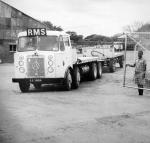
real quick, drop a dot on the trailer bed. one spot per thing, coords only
(82, 60)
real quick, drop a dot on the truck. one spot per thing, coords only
(47, 57)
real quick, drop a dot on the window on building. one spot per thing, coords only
(12, 48)
(8, 23)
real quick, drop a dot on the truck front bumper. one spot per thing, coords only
(40, 80)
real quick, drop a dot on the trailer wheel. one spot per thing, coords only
(112, 65)
(76, 78)
(93, 71)
(99, 70)
(24, 86)
(68, 80)
(121, 62)
(37, 85)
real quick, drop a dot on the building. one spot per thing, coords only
(130, 43)
(13, 21)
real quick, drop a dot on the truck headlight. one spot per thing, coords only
(21, 63)
(50, 63)
(22, 70)
(21, 58)
(50, 69)
(50, 57)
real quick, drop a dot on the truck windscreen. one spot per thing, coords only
(27, 44)
(48, 43)
(42, 43)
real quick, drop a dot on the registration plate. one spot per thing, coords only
(36, 80)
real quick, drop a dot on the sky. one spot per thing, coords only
(86, 17)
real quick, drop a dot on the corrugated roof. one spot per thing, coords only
(22, 12)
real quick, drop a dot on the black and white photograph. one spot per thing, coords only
(74, 71)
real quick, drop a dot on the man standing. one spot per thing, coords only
(140, 69)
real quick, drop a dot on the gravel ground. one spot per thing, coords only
(100, 111)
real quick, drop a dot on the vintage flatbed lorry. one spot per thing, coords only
(47, 57)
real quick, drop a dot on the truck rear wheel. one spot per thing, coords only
(68, 80)
(99, 70)
(76, 78)
(112, 65)
(24, 86)
(93, 71)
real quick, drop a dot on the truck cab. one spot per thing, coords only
(42, 56)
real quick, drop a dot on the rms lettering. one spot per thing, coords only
(36, 32)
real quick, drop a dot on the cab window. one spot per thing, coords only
(66, 41)
(61, 44)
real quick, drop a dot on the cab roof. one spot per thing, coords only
(49, 33)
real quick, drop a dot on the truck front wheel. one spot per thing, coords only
(24, 86)
(93, 71)
(68, 80)
(37, 85)
(76, 78)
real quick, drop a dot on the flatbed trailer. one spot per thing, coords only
(106, 54)
(111, 62)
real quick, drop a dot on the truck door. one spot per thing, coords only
(68, 52)
(60, 59)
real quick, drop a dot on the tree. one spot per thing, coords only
(98, 38)
(133, 27)
(144, 28)
(75, 37)
(51, 26)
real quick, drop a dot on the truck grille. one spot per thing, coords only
(35, 67)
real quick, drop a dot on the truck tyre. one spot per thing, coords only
(24, 86)
(68, 80)
(121, 62)
(37, 85)
(112, 65)
(76, 78)
(93, 71)
(99, 70)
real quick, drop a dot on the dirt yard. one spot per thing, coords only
(100, 111)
